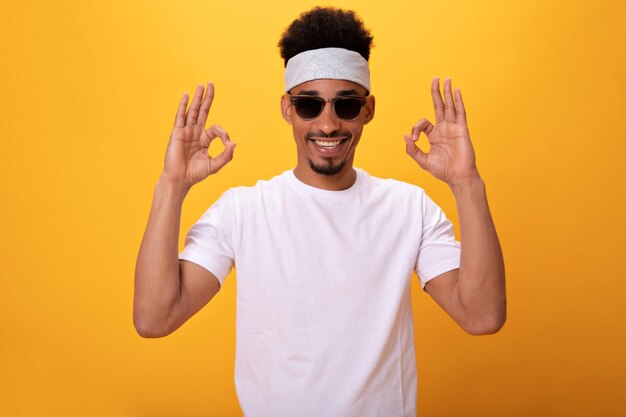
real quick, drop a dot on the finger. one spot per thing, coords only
(192, 114)
(216, 131)
(450, 110)
(206, 104)
(416, 153)
(460, 107)
(437, 100)
(222, 159)
(179, 121)
(424, 125)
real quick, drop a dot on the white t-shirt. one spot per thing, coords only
(324, 318)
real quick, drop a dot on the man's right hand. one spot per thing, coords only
(187, 160)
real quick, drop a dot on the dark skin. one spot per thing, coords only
(169, 291)
(473, 295)
(327, 127)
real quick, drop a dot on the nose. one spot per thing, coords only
(328, 121)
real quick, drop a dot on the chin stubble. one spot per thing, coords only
(328, 169)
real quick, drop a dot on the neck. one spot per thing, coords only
(341, 181)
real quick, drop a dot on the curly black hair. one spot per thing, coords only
(325, 27)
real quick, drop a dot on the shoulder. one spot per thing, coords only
(402, 195)
(392, 187)
(238, 202)
(260, 190)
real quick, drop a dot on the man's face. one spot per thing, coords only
(326, 144)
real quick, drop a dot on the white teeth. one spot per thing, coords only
(327, 144)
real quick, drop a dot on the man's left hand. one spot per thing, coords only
(451, 157)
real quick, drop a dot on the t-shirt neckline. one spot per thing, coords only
(301, 187)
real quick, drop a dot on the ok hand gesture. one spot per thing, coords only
(187, 159)
(451, 157)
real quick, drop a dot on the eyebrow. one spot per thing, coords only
(351, 92)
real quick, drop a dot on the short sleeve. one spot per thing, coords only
(208, 242)
(439, 252)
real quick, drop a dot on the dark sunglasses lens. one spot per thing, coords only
(308, 108)
(347, 108)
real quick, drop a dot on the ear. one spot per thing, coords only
(285, 108)
(370, 108)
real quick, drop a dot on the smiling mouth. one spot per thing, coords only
(328, 144)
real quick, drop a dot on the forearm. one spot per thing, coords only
(481, 283)
(157, 273)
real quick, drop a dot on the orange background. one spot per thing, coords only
(89, 91)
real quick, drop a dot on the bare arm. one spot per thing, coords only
(169, 291)
(473, 295)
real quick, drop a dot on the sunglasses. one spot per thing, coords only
(345, 107)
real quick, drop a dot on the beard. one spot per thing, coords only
(329, 168)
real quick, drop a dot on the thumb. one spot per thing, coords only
(222, 159)
(415, 152)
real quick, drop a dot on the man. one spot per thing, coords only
(325, 252)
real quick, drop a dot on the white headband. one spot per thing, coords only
(329, 63)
